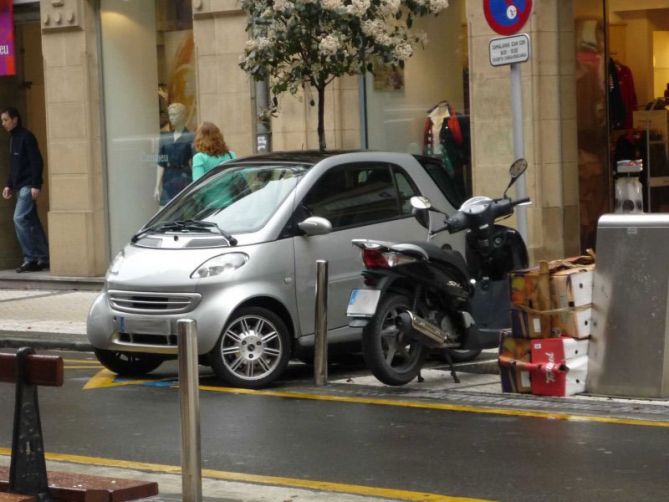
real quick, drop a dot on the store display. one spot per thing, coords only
(446, 136)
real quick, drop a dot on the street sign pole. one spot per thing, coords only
(507, 17)
(519, 144)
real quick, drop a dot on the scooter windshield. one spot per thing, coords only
(475, 205)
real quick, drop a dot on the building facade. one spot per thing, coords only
(96, 77)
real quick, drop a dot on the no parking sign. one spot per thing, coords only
(507, 17)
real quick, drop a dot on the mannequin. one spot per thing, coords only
(175, 152)
(437, 116)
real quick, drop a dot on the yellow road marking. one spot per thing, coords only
(106, 379)
(82, 361)
(442, 406)
(258, 479)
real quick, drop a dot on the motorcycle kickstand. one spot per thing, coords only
(449, 360)
(419, 377)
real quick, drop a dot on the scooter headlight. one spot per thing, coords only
(220, 264)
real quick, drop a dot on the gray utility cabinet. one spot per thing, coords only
(629, 351)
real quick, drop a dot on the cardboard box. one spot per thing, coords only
(553, 299)
(530, 296)
(514, 354)
(560, 366)
(571, 296)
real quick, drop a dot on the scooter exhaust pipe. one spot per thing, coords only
(423, 331)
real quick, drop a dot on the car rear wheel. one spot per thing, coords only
(253, 350)
(128, 363)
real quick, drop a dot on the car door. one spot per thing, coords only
(361, 200)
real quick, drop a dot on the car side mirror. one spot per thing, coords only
(315, 225)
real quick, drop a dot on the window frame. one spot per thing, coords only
(392, 169)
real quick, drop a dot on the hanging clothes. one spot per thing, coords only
(446, 136)
(627, 93)
(617, 112)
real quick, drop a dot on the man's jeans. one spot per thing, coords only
(29, 229)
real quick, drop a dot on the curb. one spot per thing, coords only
(44, 341)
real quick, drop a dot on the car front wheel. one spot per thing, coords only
(128, 363)
(253, 350)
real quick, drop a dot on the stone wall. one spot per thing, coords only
(77, 229)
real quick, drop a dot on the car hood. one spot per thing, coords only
(147, 269)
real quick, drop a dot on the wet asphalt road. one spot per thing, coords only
(488, 456)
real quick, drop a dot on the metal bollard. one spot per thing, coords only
(321, 331)
(189, 398)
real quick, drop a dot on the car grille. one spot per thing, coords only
(167, 341)
(153, 303)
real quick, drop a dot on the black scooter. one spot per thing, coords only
(420, 297)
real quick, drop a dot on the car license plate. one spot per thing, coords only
(143, 326)
(362, 302)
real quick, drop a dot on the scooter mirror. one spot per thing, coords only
(422, 217)
(517, 168)
(420, 202)
(515, 171)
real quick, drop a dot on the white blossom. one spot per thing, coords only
(390, 7)
(332, 5)
(283, 5)
(436, 6)
(403, 51)
(329, 45)
(358, 8)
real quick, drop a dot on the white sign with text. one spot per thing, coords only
(510, 50)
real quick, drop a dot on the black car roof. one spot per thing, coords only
(301, 156)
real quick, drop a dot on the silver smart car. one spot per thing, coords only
(236, 251)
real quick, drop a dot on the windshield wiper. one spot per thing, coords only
(185, 225)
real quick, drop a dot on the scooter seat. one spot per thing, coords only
(446, 256)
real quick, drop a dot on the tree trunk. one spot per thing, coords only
(321, 115)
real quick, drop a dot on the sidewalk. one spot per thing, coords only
(45, 311)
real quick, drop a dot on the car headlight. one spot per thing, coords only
(219, 264)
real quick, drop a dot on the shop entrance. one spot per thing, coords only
(25, 91)
(622, 92)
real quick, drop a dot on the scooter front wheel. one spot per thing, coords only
(393, 357)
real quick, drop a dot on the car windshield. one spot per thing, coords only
(239, 199)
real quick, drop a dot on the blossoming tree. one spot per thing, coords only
(298, 43)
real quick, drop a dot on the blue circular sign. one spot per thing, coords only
(507, 17)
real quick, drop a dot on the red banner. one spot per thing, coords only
(7, 53)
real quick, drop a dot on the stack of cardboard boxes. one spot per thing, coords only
(545, 352)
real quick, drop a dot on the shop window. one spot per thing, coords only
(149, 107)
(423, 108)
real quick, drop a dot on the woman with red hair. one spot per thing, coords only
(211, 149)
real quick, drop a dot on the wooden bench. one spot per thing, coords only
(28, 370)
(10, 497)
(86, 488)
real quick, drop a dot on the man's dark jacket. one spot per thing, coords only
(25, 160)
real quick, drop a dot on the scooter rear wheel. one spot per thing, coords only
(393, 358)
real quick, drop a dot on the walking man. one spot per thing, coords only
(25, 180)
